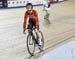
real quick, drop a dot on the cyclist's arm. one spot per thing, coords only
(36, 18)
(25, 20)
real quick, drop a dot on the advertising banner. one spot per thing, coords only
(61, 0)
(16, 3)
(3, 3)
(19, 3)
(36, 2)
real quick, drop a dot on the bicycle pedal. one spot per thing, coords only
(32, 54)
(39, 47)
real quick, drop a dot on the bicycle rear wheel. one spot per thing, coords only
(30, 44)
(42, 40)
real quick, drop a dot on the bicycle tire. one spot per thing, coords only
(42, 40)
(31, 53)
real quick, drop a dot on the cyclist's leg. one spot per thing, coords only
(37, 31)
(30, 26)
(46, 17)
(38, 36)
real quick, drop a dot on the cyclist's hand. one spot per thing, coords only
(24, 31)
(36, 30)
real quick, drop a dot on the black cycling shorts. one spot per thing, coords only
(32, 24)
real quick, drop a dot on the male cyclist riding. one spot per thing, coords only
(32, 21)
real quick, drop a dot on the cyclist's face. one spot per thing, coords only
(48, 0)
(29, 7)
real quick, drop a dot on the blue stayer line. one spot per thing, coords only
(66, 51)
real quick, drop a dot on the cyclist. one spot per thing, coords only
(46, 8)
(32, 21)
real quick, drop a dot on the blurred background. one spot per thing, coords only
(59, 36)
(20, 3)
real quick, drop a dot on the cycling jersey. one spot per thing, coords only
(46, 4)
(31, 15)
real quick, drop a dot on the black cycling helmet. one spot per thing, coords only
(29, 4)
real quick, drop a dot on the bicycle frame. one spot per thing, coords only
(31, 33)
(34, 40)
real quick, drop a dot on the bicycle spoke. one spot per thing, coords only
(30, 44)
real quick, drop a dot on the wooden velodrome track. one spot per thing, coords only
(13, 41)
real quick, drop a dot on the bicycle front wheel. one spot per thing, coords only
(30, 44)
